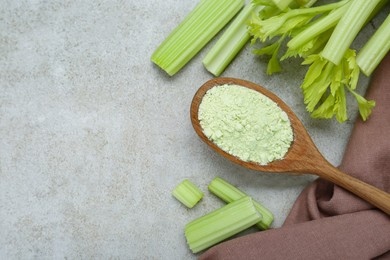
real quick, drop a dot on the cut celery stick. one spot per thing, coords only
(194, 32)
(231, 42)
(348, 27)
(187, 193)
(221, 224)
(229, 193)
(375, 49)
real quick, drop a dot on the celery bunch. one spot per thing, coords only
(322, 36)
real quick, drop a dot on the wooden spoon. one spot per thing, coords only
(302, 157)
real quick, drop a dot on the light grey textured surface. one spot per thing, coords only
(94, 137)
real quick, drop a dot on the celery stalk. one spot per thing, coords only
(231, 42)
(320, 26)
(347, 29)
(221, 224)
(229, 193)
(194, 32)
(375, 49)
(187, 193)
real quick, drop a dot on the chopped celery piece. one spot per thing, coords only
(194, 32)
(231, 42)
(348, 27)
(221, 224)
(187, 193)
(375, 49)
(229, 193)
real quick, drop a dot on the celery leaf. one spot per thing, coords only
(365, 106)
(324, 87)
(273, 51)
(325, 110)
(340, 106)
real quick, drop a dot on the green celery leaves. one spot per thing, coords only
(309, 32)
(324, 87)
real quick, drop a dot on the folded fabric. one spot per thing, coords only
(326, 221)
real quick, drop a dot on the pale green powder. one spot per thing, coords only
(245, 123)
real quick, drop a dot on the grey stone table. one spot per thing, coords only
(94, 137)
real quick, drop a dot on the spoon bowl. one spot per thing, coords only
(303, 157)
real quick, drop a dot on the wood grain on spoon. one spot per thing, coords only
(302, 157)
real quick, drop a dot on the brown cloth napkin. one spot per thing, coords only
(326, 221)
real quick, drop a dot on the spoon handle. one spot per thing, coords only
(369, 193)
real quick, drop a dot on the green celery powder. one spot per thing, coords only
(245, 123)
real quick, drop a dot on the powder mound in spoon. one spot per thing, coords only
(245, 123)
